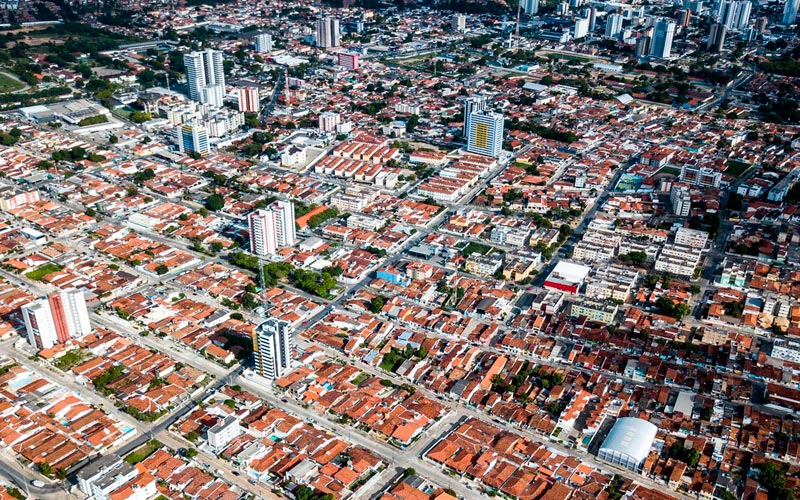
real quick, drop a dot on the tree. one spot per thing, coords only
(162, 269)
(191, 453)
(192, 436)
(214, 202)
(773, 478)
(113, 139)
(45, 469)
(376, 304)
(410, 471)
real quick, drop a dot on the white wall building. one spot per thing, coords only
(273, 348)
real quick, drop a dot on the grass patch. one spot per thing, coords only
(670, 170)
(8, 84)
(476, 248)
(360, 378)
(736, 168)
(70, 360)
(40, 272)
(145, 451)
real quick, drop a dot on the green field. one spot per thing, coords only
(145, 451)
(670, 170)
(736, 168)
(8, 84)
(42, 271)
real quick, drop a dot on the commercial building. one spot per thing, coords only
(567, 276)
(273, 348)
(221, 434)
(628, 443)
(614, 25)
(328, 32)
(249, 100)
(348, 60)
(263, 43)
(57, 318)
(663, 32)
(192, 138)
(205, 76)
(485, 134)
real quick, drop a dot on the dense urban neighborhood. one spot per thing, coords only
(399, 250)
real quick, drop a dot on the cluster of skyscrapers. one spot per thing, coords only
(56, 318)
(272, 228)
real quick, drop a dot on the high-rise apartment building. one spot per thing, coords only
(328, 32)
(348, 60)
(614, 25)
(192, 138)
(531, 7)
(57, 318)
(790, 11)
(249, 100)
(272, 348)
(328, 121)
(472, 104)
(272, 228)
(205, 76)
(263, 43)
(716, 37)
(663, 32)
(734, 14)
(459, 23)
(485, 135)
(581, 28)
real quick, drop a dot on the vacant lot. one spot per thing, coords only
(8, 84)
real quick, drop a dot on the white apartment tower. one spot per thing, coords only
(272, 228)
(205, 75)
(262, 232)
(790, 11)
(661, 45)
(328, 32)
(485, 135)
(273, 347)
(531, 7)
(614, 25)
(57, 318)
(459, 23)
(263, 43)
